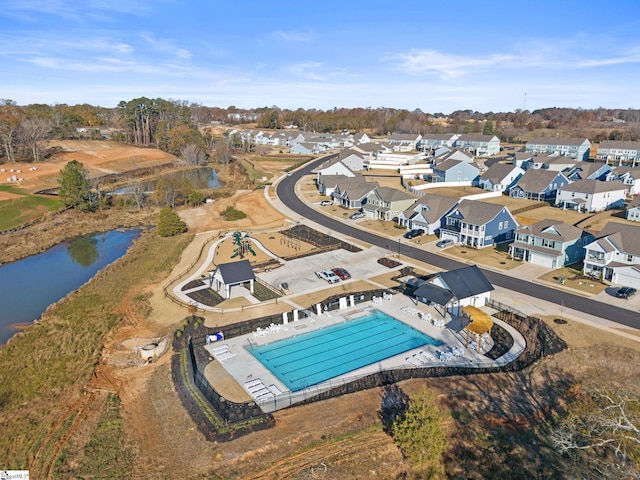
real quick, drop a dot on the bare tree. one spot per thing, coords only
(604, 432)
(138, 192)
(34, 130)
(192, 154)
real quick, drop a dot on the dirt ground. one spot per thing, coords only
(99, 158)
(339, 438)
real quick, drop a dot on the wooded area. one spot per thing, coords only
(186, 129)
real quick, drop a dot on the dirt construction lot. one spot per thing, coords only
(98, 157)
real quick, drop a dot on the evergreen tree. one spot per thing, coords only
(419, 433)
(170, 224)
(74, 186)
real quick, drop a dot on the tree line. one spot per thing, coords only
(185, 129)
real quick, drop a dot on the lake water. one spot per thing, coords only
(29, 286)
(200, 178)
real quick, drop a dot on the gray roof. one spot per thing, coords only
(624, 145)
(475, 137)
(447, 164)
(498, 172)
(434, 293)
(479, 213)
(547, 228)
(433, 207)
(625, 237)
(390, 194)
(236, 272)
(594, 186)
(466, 282)
(536, 180)
(406, 137)
(556, 141)
(634, 203)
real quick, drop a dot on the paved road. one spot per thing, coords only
(286, 193)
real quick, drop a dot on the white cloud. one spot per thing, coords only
(293, 36)
(166, 46)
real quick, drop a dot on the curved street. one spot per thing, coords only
(285, 191)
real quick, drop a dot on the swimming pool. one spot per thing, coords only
(314, 357)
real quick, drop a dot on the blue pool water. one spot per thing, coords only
(314, 357)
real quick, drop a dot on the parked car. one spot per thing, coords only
(328, 276)
(416, 232)
(626, 292)
(342, 273)
(444, 243)
(356, 215)
(324, 203)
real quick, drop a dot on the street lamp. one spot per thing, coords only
(398, 249)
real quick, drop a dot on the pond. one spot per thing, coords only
(29, 286)
(200, 178)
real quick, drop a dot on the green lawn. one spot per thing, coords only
(16, 211)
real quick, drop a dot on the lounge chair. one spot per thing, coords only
(426, 357)
(275, 390)
(256, 392)
(413, 361)
(264, 397)
(224, 356)
(253, 383)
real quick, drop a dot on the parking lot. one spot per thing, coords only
(300, 274)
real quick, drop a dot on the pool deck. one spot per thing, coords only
(240, 365)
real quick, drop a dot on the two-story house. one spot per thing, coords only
(403, 142)
(578, 148)
(386, 203)
(589, 171)
(591, 195)
(633, 210)
(500, 177)
(432, 141)
(352, 192)
(479, 145)
(454, 171)
(619, 152)
(479, 224)
(630, 176)
(550, 243)
(614, 255)
(428, 213)
(539, 185)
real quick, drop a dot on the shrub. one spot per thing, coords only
(230, 214)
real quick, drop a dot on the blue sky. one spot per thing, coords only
(434, 55)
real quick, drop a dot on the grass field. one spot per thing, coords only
(22, 207)
(44, 370)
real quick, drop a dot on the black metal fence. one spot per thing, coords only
(540, 339)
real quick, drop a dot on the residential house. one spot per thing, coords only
(466, 286)
(500, 177)
(550, 243)
(591, 195)
(524, 160)
(614, 255)
(633, 210)
(352, 159)
(480, 145)
(386, 203)
(360, 138)
(479, 224)
(589, 171)
(332, 168)
(403, 142)
(578, 148)
(327, 183)
(619, 152)
(539, 185)
(454, 171)
(428, 213)
(554, 163)
(630, 176)
(305, 148)
(352, 192)
(433, 141)
(445, 153)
